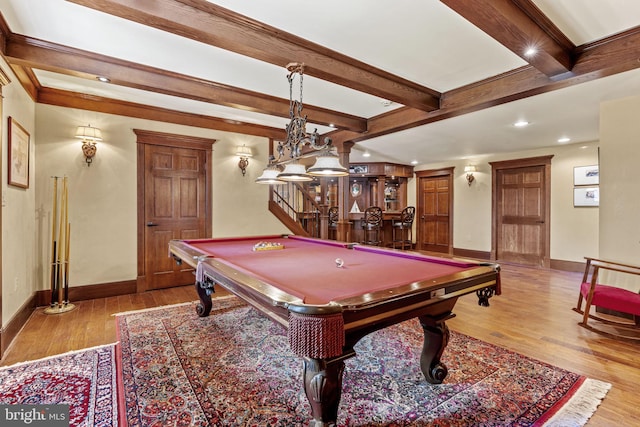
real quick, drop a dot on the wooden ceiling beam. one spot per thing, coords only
(519, 25)
(602, 58)
(69, 99)
(27, 79)
(209, 23)
(605, 57)
(39, 54)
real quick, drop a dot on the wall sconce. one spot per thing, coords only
(244, 153)
(470, 169)
(89, 137)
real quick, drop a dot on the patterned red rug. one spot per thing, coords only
(234, 368)
(85, 380)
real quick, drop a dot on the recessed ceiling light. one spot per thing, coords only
(563, 140)
(521, 123)
(414, 162)
(531, 51)
(385, 102)
(366, 154)
(103, 79)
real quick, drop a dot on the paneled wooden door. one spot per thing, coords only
(435, 197)
(522, 214)
(175, 206)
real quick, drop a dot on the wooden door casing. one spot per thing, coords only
(435, 210)
(521, 211)
(174, 202)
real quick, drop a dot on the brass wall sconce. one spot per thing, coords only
(470, 169)
(89, 136)
(244, 153)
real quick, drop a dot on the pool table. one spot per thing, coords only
(330, 294)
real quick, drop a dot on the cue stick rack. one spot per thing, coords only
(60, 233)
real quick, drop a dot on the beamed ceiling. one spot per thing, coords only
(421, 80)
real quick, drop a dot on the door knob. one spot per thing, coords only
(151, 224)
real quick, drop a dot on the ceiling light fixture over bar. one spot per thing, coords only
(327, 163)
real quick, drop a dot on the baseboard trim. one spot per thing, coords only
(81, 293)
(470, 253)
(573, 266)
(555, 264)
(10, 331)
(43, 299)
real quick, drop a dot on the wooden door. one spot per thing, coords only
(435, 195)
(175, 205)
(522, 232)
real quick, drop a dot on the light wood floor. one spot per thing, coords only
(533, 317)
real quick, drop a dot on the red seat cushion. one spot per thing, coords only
(613, 298)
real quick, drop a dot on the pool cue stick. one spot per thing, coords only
(54, 246)
(61, 250)
(66, 267)
(67, 241)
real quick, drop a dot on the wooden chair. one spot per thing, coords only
(609, 297)
(402, 229)
(372, 226)
(333, 223)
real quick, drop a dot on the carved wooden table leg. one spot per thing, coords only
(323, 387)
(436, 337)
(204, 306)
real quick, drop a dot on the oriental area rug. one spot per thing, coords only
(234, 368)
(85, 380)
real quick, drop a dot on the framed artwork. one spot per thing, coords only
(586, 175)
(586, 196)
(18, 155)
(359, 169)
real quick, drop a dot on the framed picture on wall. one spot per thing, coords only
(359, 169)
(586, 196)
(18, 155)
(586, 175)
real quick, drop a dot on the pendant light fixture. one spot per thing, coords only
(327, 163)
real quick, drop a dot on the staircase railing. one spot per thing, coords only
(294, 202)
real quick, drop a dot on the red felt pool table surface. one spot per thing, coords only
(306, 268)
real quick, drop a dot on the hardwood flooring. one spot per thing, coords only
(533, 317)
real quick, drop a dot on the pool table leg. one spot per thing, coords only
(436, 337)
(323, 387)
(204, 292)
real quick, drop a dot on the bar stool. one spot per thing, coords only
(333, 223)
(402, 229)
(372, 226)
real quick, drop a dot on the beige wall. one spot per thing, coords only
(573, 233)
(619, 195)
(102, 197)
(18, 206)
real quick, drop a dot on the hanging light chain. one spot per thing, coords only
(297, 135)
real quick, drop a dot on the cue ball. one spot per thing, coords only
(339, 262)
